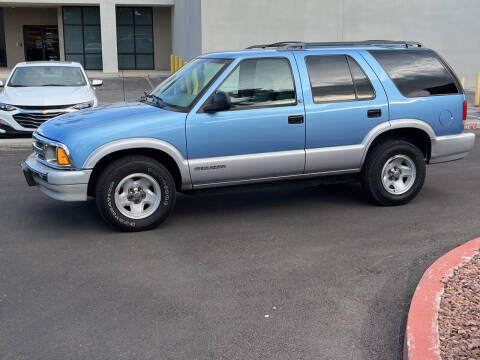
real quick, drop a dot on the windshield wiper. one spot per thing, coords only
(18, 86)
(158, 99)
(54, 85)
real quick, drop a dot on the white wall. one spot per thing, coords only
(450, 27)
(233, 24)
(187, 28)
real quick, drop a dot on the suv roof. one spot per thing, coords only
(299, 45)
(263, 49)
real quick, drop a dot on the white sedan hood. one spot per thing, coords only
(46, 95)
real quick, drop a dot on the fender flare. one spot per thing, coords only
(392, 125)
(134, 143)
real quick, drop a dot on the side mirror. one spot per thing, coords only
(220, 102)
(1, 83)
(96, 82)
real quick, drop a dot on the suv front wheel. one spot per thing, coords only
(394, 172)
(135, 193)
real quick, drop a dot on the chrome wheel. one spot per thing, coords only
(398, 174)
(138, 196)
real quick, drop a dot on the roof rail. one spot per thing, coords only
(298, 45)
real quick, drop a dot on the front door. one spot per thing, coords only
(261, 136)
(41, 42)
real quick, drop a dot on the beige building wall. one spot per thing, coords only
(15, 18)
(162, 37)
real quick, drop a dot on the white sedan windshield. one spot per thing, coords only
(26, 76)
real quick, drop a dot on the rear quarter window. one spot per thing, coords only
(417, 73)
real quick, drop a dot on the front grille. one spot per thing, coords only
(42, 107)
(34, 120)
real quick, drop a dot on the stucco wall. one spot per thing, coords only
(449, 27)
(187, 28)
(15, 18)
(162, 34)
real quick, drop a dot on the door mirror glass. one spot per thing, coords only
(96, 82)
(220, 102)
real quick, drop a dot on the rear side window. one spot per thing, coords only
(336, 78)
(417, 72)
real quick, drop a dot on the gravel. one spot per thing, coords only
(458, 320)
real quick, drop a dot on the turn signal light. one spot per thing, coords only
(62, 158)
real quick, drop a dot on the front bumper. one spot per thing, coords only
(451, 147)
(63, 185)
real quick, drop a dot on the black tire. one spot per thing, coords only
(377, 158)
(119, 169)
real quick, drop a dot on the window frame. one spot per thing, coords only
(83, 25)
(448, 69)
(135, 53)
(347, 59)
(208, 100)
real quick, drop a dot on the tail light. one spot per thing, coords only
(464, 110)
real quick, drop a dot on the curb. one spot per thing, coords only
(472, 125)
(421, 334)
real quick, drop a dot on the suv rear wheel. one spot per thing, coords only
(135, 193)
(394, 172)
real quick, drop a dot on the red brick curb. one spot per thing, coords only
(472, 125)
(421, 335)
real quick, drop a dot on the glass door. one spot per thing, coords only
(41, 42)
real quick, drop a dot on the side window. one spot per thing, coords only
(336, 78)
(363, 86)
(260, 82)
(417, 72)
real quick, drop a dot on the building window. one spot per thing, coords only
(3, 53)
(81, 30)
(135, 38)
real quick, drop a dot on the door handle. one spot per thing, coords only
(295, 119)
(374, 113)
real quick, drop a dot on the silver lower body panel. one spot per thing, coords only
(451, 147)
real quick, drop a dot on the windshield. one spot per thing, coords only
(182, 88)
(47, 76)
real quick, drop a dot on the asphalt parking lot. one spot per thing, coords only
(283, 272)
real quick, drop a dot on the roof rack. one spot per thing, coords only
(299, 45)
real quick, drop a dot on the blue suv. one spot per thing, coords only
(375, 110)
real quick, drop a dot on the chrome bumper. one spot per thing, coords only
(451, 147)
(64, 185)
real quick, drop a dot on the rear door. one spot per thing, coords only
(344, 100)
(262, 135)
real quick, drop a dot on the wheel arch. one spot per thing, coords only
(417, 132)
(162, 151)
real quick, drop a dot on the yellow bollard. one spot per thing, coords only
(477, 91)
(181, 63)
(176, 63)
(462, 81)
(172, 64)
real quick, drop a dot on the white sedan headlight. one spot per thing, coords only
(7, 107)
(84, 105)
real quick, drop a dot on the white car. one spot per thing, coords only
(39, 91)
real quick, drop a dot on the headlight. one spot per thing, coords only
(7, 107)
(51, 152)
(83, 105)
